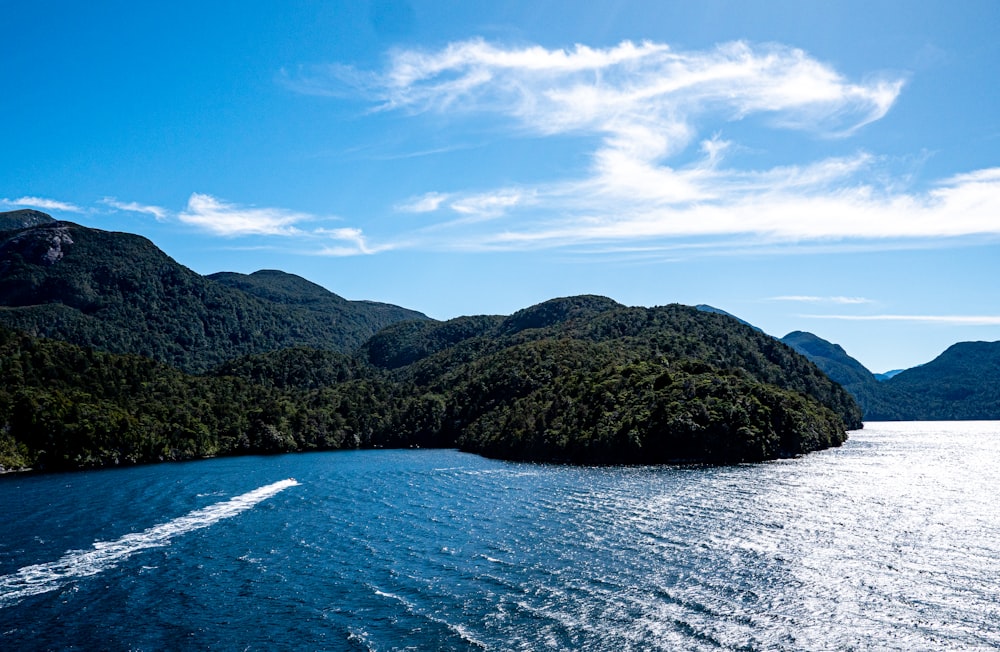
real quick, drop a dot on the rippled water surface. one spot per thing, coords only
(890, 542)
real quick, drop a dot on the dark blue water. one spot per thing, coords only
(890, 542)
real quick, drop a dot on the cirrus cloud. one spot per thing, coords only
(223, 218)
(42, 202)
(814, 299)
(950, 320)
(641, 107)
(135, 207)
(349, 241)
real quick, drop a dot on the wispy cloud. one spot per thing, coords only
(134, 207)
(349, 242)
(798, 298)
(42, 202)
(486, 205)
(643, 104)
(222, 218)
(629, 91)
(470, 207)
(951, 320)
(427, 203)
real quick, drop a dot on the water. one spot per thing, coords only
(890, 542)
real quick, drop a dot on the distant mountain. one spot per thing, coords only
(280, 287)
(704, 307)
(838, 365)
(117, 292)
(888, 374)
(961, 383)
(354, 320)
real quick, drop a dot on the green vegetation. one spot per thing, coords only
(961, 383)
(840, 367)
(121, 356)
(117, 292)
(66, 407)
(580, 380)
(22, 219)
(586, 380)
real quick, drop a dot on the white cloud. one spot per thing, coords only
(134, 207)
(43, 203)
(487, 205)
(619, 88)
(226, 219)
(351, 242)
(951, 320)
(643, 104)
(427, 203)
(643, 98)
(813, 299)
(641, 109)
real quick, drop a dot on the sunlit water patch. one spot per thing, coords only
(889, 542)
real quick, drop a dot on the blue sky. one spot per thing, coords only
(829, 167)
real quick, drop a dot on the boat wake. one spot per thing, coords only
(75, 564)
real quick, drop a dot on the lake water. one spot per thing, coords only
(889, 542)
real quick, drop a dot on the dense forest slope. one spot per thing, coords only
(584, 379)
(581, 379)
(117, 354)
(117, 292)
(961, 383)
(66, 407)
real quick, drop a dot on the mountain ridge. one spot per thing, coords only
(961, 383)
(118, 292)
(579, 380)
(122, 355)
(582, 379)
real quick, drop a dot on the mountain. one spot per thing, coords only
(587, 380)
(961, 383)
(839, 366)
(117, 292)
(65, 407)
(578, 380)
(888, 374)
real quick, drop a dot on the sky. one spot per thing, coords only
(804, 165)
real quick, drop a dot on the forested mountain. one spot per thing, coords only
(66, 407)
(121, 355)
(704, 307)
(839, 366)
(581, 379)
(585, 379)
(111, 332)
(117, 292)
(961, 383)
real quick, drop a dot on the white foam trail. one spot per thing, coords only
(41, 578)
